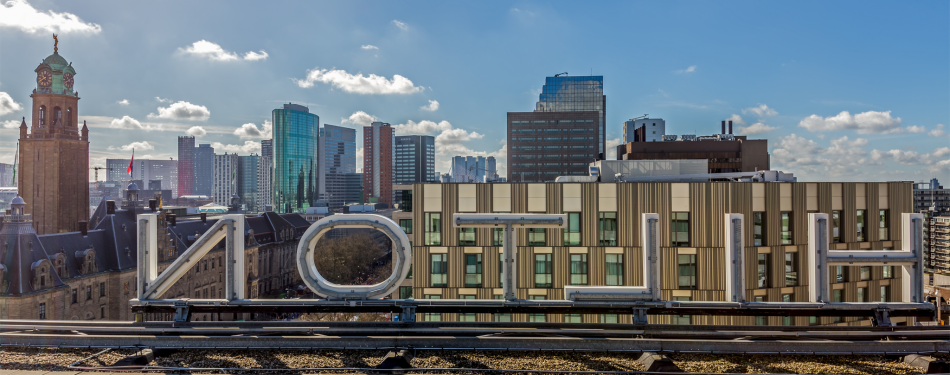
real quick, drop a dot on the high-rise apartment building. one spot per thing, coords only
(247, 183)
(296, 152)
(265, 175)
(186, 166)
(378, 161)
(54, 157)
(577, 94)
(545, 145)
(145, 170)
(204, 170)
(6, 175)
(226, 168)
(415, 159)
(932, 195)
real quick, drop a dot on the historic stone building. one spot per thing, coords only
(54, 155)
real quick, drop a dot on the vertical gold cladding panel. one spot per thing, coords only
(773, 215)
(554, 237)
(824, 199)
(741, 195)
(421, 269)
(589, 215)
(708, 261)
(668, 274)
(751, 256)
(700, 222)
(450, 234)
(873, 216)
(483, 236)
(561, 267)
(628, 215)
(633, 274)
(456, 270)
(799, 213)
(519, 204)
(848, 213)
(654, 197)
(900, 200)
(596, 263)
(526, 256)
(777, 267)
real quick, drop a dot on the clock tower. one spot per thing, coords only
(54, 154)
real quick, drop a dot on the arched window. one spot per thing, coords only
(57, 115)
(42, 115)
(69, 116)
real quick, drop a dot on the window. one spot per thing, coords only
(578, 269)
(572, 234)
(501, 270)
(841, 274)
(614, 269)
(439, 270)
(42, 311)
(763, 270)
(406, 225)
(761, 320)
(680, 228)
(433, 229)
(536, 237)
(687, 271)
(542, 270)
(573, 318)
(885, 293)
(88, 292)
(862, 228)
(862, 294)
(607, 225)
(758, 229)
(787, 320)
(501, 317)
(682, 319)
(102, 289)
(786, 228)
(432, 317)
(791, 269)
(888, 272)
(537, 318)
(835, 225)
(837, 295)
(75, 296)
(466, 236)
(498, 236)
(882, 229)
(102, 312)
(865, 273)
(609, 318)
(467, 317)
(473, 270)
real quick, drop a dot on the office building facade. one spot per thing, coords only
(726, 152)
(186, 166)
(296, 153)
(343, 189)
(415, 159)
(545, 145)
(247, 184)
(339, 149)
(145, 170)
(644, 130)
(577, 94)
(204, 170)
(378, 161)
(6, 175)
(225, 178)
(265, 175)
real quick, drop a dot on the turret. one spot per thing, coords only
(23, 129)
(85, 132)
(131, 194)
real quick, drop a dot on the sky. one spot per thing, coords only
(843, 91)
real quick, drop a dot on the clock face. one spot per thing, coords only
(68, 80)
(45, 78)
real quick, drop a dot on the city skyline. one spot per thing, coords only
(833, 106)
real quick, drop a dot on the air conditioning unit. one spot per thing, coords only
(669, 138)
(688, 137)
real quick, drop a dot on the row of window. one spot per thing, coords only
(552, 122)
(75, 292)
(606, 224)
(543, 270)
(555, 139)
(572, 130)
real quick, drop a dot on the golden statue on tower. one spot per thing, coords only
(55, 43)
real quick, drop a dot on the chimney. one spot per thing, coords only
(110, 207)
(730, 126)
(723, 127)
(171, 219)
(204, 217)
(83, 227)
(153, 205)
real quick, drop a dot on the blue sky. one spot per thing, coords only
(149, 72)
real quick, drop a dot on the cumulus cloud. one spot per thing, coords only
(123, 102)
(19, 14)
(357, 83)
(247, 148)
(250, 131)
(160, 100)
(736, 119)
(612, 148)
(916, 129)
(144, 145)
(182, 111)
(369, 47)
(455, 136)
(757, 128)
(935, 161)
(360, 118)
(401, 25)
(127, 122)
(870, 122)
(761, 110)
(196, 131)
(359, 160)
(214, 52)
(691, 69)
(432, 107)
(938, 132)
(422, 127)
(7, 105)
(11, 124)
(844, 157)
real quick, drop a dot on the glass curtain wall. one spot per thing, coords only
(296, 137)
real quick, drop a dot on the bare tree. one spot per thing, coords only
(352, 260)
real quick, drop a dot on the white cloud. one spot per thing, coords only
(422, 127)
(761, 110)
(21, 15)
(247, 148)
(182, 111)
(123, 102)
(7, 105)
(916, 129)
(938, 132)
(250, 131)
(11, 124)
(736, 119)
(196, 131)
(455, 137)
(612, 148)
(360, 118)
(432, 107)
(757, 128)
(127, 122)
(401, 25)
(870, 122)
(160, 100)
(807, 159)
(359, 160)
(369, 47)
(144, 145)
(213, 51)
(357, 83)
(691, 69)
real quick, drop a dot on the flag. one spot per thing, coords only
(129, 170)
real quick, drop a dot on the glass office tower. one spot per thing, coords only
(247, 181)
(571, 94)
(296, 139)
(204, 170)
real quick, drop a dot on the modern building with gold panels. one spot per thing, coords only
(602, 246)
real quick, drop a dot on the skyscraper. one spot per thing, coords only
(341, 183)
(573, 94)
(545, 145)
(204, 170)
(54, 158)
(265, 175)
(415, 159)
(186, 166)
(296, 139)
(378, 161)
(473, 169)
(225, 178)
(247, 184)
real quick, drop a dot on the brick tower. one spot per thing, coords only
(54, 156)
